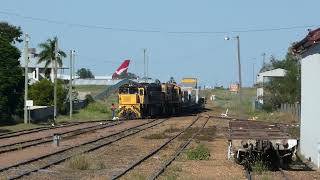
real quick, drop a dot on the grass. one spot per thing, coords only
(98, 110)
(137, 176)
(156, 136)
(172, 130)
(206, 134)
(228, 100)
(259, 167)
(18, 127)
(92, 89)
(79, 162)
(172, 173)
(94, 111)
(85, 162)
(199, 153)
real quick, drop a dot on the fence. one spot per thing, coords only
(294, 109)
(44, 113)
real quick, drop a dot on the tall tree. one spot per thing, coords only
(285, 89)
(84, 73)
(47, 53)
(11, 78)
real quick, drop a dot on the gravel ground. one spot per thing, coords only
(217, 167)
(116, 156)
(147, 168)
(44, 133)
(10, 158)
(110, 160)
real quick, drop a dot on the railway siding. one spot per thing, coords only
(25, 168)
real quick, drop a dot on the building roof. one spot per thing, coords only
(311, 39)
(272, 73)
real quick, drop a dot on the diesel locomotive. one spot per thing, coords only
(142, 100)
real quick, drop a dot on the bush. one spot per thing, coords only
(85, 162)
(199, 153)
(89, 98)
(79, 162)
(259, 167)
(42, 94)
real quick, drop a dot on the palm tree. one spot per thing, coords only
(47, 54)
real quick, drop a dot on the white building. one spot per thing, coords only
(309, 49)
(265, 77)
(36, 71)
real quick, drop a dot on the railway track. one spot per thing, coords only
(68, 134)
(156, 150)
(22, 169)
(39, 129)
(248, 174)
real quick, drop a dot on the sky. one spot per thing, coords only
(105, 37)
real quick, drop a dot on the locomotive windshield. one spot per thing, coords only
(128, 90)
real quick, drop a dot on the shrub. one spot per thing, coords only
(42, 94)
(199, 153)
(79, 162)
(259, 167)
(89, 98)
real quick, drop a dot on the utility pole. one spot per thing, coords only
(55, 82)
(70, 83)
(144, 64)
(239, 67)
(73, 65)
(263, 59)
(253, 74)
(26, 61)
(147, 66)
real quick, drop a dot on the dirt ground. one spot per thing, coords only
(108, 161)
(9, 158)
(119, 155)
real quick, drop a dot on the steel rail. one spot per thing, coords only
(39, 129)
(154, 151)
(33, 142)
(177, 153)
(130, 131)
(248, 174)
(283, 174)
(33, 130)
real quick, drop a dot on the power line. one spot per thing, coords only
(154, 31)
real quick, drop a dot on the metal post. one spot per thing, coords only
(70, 83)
(239, 67)
(26, 60)
(147, 66)
(144, 64)
(55, 82)
(263, 59)
(253, 75)
(73, 65)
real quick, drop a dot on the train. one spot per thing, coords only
(138, 100)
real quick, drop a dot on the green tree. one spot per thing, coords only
(283, 89)
(84, 73)
(128, 75)
(11, 75)
(41, 93)
(47, 53)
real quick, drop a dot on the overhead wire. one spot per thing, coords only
(153, 31)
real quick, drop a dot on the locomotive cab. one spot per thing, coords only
(130, 100)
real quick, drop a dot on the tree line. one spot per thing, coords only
(282, 89)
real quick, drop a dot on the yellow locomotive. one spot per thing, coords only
(141, 100)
